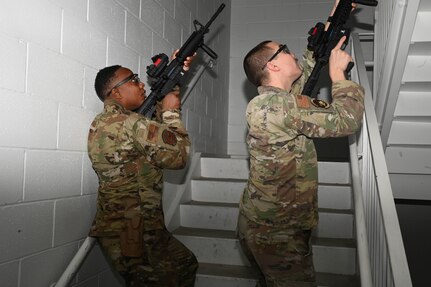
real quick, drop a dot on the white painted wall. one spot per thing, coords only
(50, 52)
(285, 21)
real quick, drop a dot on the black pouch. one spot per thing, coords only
(131, 238)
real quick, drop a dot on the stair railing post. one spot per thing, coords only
(361, 230)
(76, 263)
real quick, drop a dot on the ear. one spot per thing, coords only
(272, 67)
(116, 94)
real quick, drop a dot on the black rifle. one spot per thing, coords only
(164, 77)
(322, 42)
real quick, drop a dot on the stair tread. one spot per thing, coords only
(202, 178)
(202, 232)
(244, 157)
(237, 271)
(231, 234)
(211, 203)
(244, 180)
(247, 272)
(236, 205)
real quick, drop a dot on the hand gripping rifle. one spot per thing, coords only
(164, 76)
(322, 42)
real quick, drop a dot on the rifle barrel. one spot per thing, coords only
(220, 8)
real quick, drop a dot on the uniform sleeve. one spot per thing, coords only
(307, 65)
(166, 144)
(316, 118)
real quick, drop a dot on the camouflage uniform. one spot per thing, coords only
(278, 208)
(128, 153)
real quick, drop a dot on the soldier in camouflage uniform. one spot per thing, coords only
(129, 153)
(278, 209)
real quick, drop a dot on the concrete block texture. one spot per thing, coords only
(12, 178)
(109, 17)
(41, 268)
(81, 39)
(29, 122)
(54, 77)
(52, 175)
(67, 213)
(13, 67)
(34, 21)
(9, 274)
(27, 229)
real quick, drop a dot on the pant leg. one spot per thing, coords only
(241, 233)
(169, 262)
(166, 262)
(283, 256)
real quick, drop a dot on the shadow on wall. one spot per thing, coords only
(249, 90)
(353, 22)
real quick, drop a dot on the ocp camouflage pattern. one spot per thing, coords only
(282, 186)
(128, 153)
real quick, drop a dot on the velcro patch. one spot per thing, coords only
(153, 132)
(303, 102)
(169, 138)
(320, 103)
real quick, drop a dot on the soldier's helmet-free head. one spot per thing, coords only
(255, 60)
(258, 61)
(103, 81)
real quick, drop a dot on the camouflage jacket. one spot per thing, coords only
(128, 153)
(282, 185)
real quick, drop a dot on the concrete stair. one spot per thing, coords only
(208, 225)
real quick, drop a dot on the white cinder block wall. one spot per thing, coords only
(50, 52)
(284, 21)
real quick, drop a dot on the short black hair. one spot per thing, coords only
(103, 79)
(255, 60)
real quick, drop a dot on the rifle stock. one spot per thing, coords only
(165, 76)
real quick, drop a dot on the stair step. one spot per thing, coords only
(335, 196)
(224, 167)
(333, 223)
(217, 189)
(212, 246)
(337, 256)
(237, 168)
(216, 275)
(230, 190)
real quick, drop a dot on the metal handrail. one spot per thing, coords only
(383, 226)
(76, 262)
(360, 218)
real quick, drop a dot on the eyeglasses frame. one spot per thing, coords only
(281, 48)
(133, 77)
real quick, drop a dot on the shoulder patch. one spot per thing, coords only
(303, 102)
(169, 138)
(153, 131)
(319, 103)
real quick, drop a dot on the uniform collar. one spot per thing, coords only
(111, 105)
(270, 89)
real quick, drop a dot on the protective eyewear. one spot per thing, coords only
(134, 78)
(281, 48)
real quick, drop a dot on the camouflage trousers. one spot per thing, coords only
(282, 256)
(166, 262)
